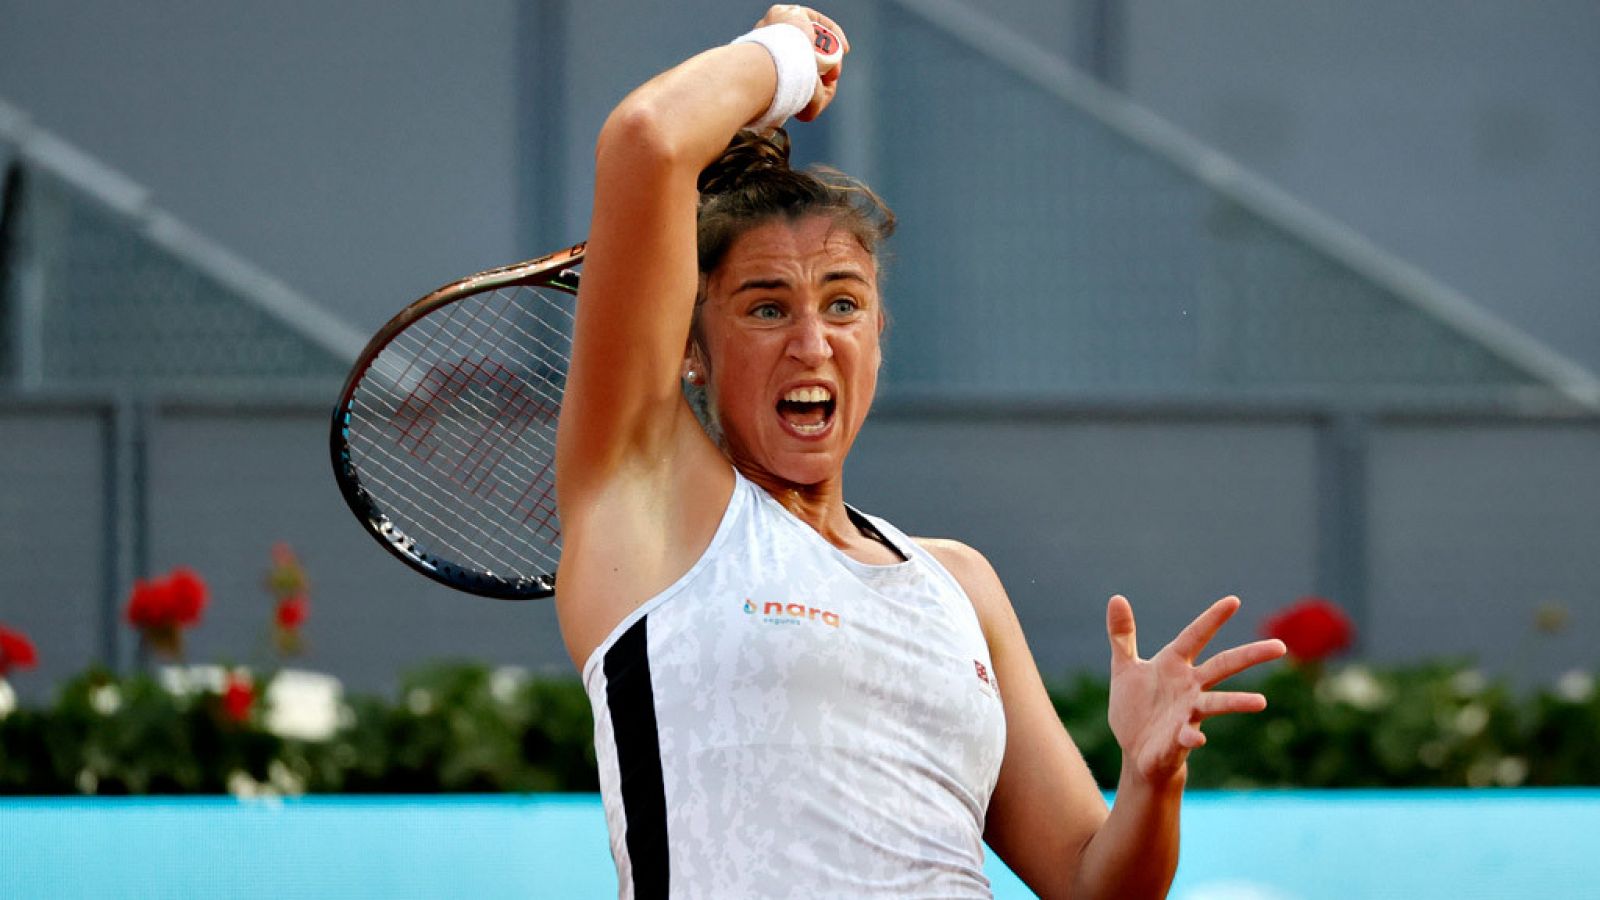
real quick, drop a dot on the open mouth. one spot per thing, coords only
(808, 411)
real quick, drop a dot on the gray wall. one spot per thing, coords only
(52, 514)
(222, 485)
(1460, 135)
(1072, 509)
(1172, 509)
(226, 486)
(1473, 529)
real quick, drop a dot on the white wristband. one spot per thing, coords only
(796, 61)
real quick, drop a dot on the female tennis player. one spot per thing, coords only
(792, 698)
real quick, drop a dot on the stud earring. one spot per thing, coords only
(691, 376)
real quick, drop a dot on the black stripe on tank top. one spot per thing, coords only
(631, 703)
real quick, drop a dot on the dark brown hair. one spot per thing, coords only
(752, 183)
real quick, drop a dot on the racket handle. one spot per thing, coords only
(828, 46)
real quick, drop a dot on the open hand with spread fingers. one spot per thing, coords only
(1158, 704)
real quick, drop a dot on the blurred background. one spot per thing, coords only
(1294, 300)
(1276, 299)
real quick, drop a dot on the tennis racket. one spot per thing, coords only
(444, 438)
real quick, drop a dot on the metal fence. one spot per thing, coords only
(1058, 240)
(103, 291)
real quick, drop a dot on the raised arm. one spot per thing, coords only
(640, 488)
(640, 273)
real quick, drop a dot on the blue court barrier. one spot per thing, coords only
(1268, 845)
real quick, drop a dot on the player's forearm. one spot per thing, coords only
(685, 116)
(1135, 852)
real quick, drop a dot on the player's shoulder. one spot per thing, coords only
(969, 566)
(955, 555)
(971, 569)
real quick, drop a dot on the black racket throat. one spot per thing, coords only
(443, 440)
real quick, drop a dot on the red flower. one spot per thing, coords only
(292, 612)
(162, 607)
(175, 601)
(147, 605)
(188, 594)
(237, 698)
(1312, 628)
(16, 651)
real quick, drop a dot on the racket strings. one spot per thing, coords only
(423, 409)
(548, 397)
(418, 499)
(420, 345)
(417, 511)
(463, 551)
(455, 422)
(412, 414)
(493, 336)
(462, 380)
(419, 479)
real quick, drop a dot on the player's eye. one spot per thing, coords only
(767, 311)
(843, 306)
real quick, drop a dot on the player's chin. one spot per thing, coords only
(804, 475)
(806, 464)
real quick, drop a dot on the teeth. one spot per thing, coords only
(812, 394)
(809, 429)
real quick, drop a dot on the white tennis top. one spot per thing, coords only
(784, 721)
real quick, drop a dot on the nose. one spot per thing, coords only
(808, 342)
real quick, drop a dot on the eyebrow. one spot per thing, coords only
(760, 284)
(768, 284)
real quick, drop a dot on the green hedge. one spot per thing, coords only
(466, 727)
(454, 727)
(1429, 725)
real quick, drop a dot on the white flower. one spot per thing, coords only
(8, 699)
(241, 785)
(506, 681)
(287, 782)
(183, 681)
(1510, 771)
(304, 705)
(1471, 719)
(419, 701)
(174, 680)
(1468, 683)
(1354, 685)
(1576, 686)
(105, 699)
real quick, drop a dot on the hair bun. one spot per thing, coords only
(749, 156)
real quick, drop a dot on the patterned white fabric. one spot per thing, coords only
(826, 728)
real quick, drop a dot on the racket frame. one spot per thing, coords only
(554, 270)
